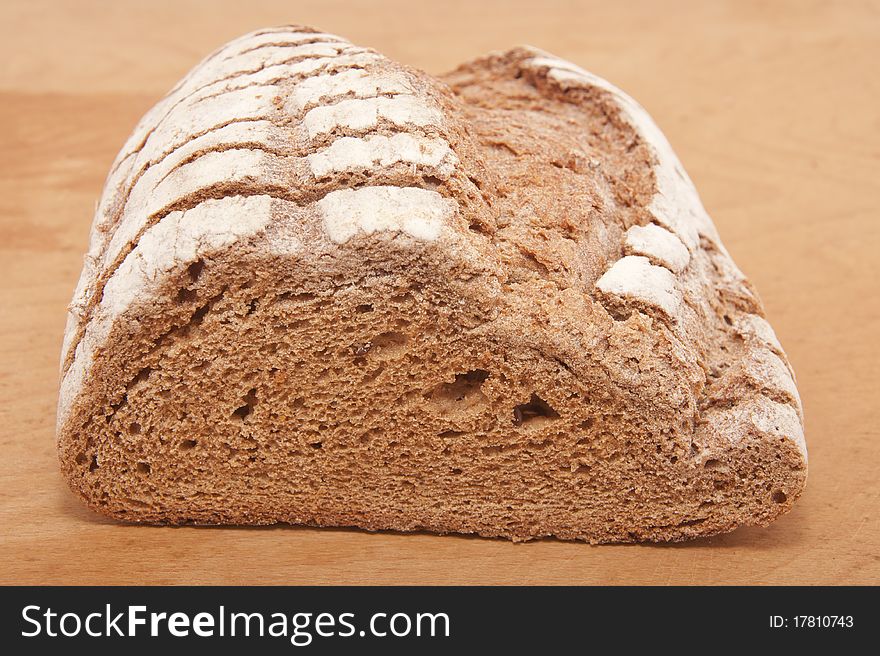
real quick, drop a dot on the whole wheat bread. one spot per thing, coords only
(324, 288)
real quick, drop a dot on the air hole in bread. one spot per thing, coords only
(194, 270)
(299, 298)
(711, 463)
(93, 465)
(693, 522)
(199, 315)
(250, 400)
(779, 497)
(187, 445)
(402, 299)
(363, 308)
(143, 468)
(619, 313)
(536, 408)
(463, 392)
(119, 404)
(186, 295)
(141, 376)
(134, 428)
(373, 375)
(389, 344)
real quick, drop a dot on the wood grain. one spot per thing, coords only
(774, 109)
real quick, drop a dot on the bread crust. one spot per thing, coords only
(497, 296)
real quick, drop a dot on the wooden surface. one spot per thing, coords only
(773, 108)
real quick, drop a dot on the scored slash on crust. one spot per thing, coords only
(350, 153)
(417, 212)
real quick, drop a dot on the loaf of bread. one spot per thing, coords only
(324, 288)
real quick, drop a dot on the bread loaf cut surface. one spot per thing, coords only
(324, 288)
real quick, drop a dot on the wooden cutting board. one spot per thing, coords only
(774, 109)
